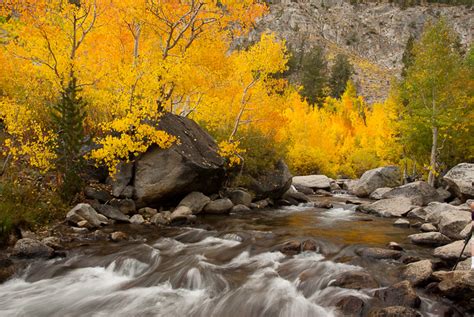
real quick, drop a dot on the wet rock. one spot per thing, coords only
(232, 237)
(402, 223)
(428, 227)
(416, 224)
(80, 230)
(335, 186)
(304, 189)
(461, 179)
(161, 218)
(219, 206)
(355, 280)
(126, 206)
(418, 272)
(84, 224)
(452, 251)
(7, 268)
(193, 164)
(181, 211)
(121, 179)
(313, 181)
(240, 197)
(297, 196)
(379, 192)
(429, 238)
(101, 195)
(388, 176)
(458, 286)
(100, 235)
(103, 219)
(379, 253)
(272, 183)
(400, 294)
(420, 193)
(291, 247)
(407, 259)
(83, 212)
(451, 220)
(195, 201)
(147, 212)
(137, 219)
(52, 242)
(351, 306)
(322, 192)
(417, 213)
(395, 246)
(323, 204)
(30, 248)
(287, 202)
(394, 311)
(118, 236)
(240, 209)
(309, 245)
(112, 213)
(260, 204)
(393, 207)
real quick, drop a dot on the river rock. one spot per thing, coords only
(52, 242)
(379, 253)
(291, 247)
(418, 272)
(195, 201)
(394, 311)
(309, 245)
(393, 207)
(379, 192)
(112, 213)
(402, 223)
(101, 195)
(273, 183)
(304, 189)
(193, 164)
(296, 196)
(162, 218)
(121, 179)
(147, 212)
(83, 212)
(420, 193)
(466, 231)
(451, 220)
(428, 227)
(126, 206)
(137, 219)
(443, 193)
(452, 251)
(181, 211)
(351, 306)
(7, 268)
(240, 197)
(118, 236)
(461, 180)
(30, 248)
(355, 280)
(240, 209)
(324, 204)
(313, 181)
(417, 213)
(264, 203)
(400, 294)
(429, 238)
(464, 265)
(395, 246)
(388, 176)
(457, 285)
(218, 206)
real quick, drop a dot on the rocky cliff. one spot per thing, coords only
(374, 35)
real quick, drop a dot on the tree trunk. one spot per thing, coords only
(433, 159)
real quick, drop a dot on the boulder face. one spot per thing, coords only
(273, 183)
(31, 248)
(461, 180)
(394, 207)
(451, 220)
(421, 193)
(193, 164)
(313, 181)
(388, 176)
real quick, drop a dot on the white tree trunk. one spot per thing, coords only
(434, 158)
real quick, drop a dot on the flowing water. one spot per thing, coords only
(227, 266)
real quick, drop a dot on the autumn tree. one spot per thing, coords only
(438, 91)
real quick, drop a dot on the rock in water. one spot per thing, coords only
(379, 253)
(421, 193)
(30, 248)
(452, 251)
(394, 311)
(451, 220)
(400, 294)
(195, 201)
(272, 183)
(351, 306)
(83, 212)
(355, 280)
(219, 206)
(394, 207)
(461, 180)
(418, 272)
(313, 181)
(192, 165)
(388, 176)
(240, 197)
(429, 238)
(379, 192)
(457, 285)
(112, 213)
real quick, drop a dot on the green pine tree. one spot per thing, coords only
(341, 73)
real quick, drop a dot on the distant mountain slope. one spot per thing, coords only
(374, 35)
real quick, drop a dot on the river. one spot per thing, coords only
(223, 266)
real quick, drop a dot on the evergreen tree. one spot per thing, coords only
(407, 58)
(341, 72)
(314, 78)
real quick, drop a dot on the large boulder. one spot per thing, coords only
(387, 176)
(457, 285)
(394, 207)
(400, 294)
(379, 192)
(192, 164)
(450, 220)
(83, 212)
(429, 238)
(31, 248)
(418, 272)
(272, 183)
(313, 181)
(421, 193)
(452, 251)
(355, 280)
(122, 178)
(461, 180)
